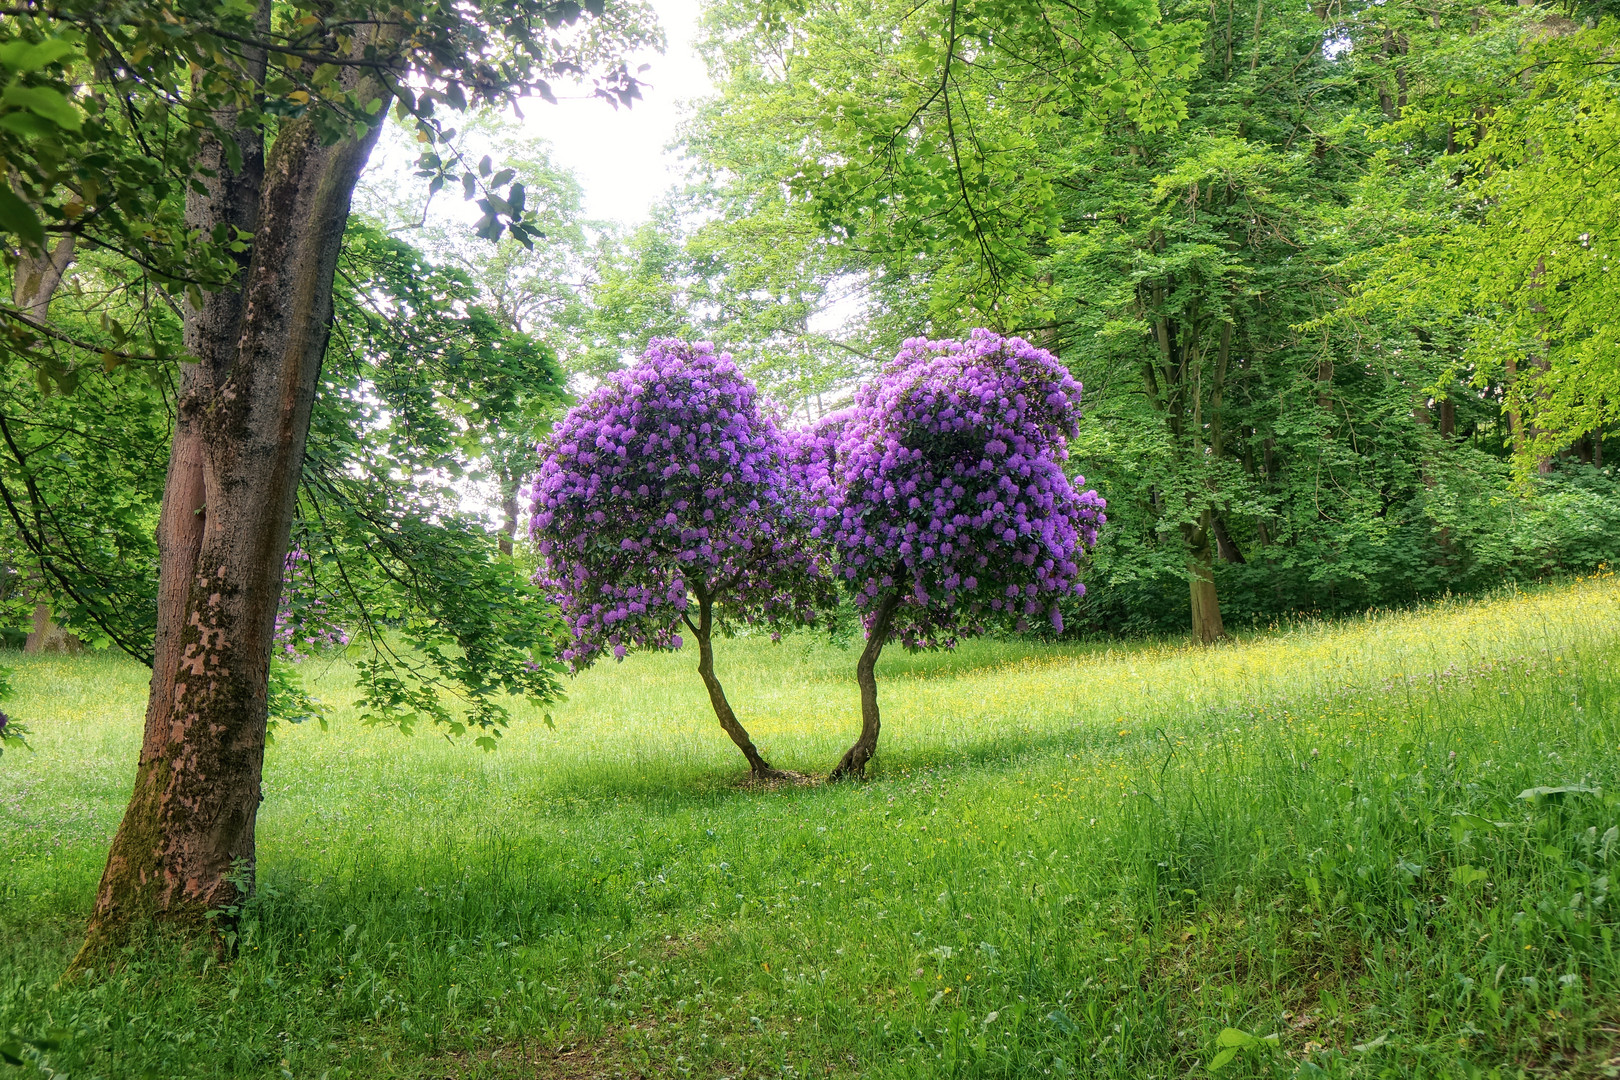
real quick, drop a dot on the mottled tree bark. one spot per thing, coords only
(186, 843)
(853, 763)
(703, 630)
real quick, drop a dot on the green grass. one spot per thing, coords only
(1071, 860)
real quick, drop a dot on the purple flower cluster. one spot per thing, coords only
(304, 619)
(669, 480)
(945, 481)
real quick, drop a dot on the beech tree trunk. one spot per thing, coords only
(703, 630)
(853, 763)
(186, 843)
(1206, 609)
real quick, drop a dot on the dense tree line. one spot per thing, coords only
(1321, 269)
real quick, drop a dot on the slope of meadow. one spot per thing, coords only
(1314, 848)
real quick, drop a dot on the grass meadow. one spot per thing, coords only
(1313, 851)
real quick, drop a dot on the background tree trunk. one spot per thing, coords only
(186, 843)
(1206, 609)
(46, 636)
(506, 539)
(703, 630)
(853, 763)
(38, 274)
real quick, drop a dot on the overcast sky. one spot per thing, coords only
(618, 154)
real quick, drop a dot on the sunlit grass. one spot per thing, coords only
(1118, 850)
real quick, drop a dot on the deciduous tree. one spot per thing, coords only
(217, 148)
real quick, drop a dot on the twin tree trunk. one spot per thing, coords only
(186, 843)
(853, 763)
(703, 630)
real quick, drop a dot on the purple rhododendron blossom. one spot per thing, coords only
(669, 481)
(945, 481)
(304, 620)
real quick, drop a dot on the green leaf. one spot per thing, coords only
(45, 102)
(20, 55)
(1462, 821)
(27, 125)
(18, 217)
(1235, 1037)
(1554, 794)
(1222, 1059)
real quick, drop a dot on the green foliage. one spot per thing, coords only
(1517, 249)
(424, 392)
(1118, 861)
(1192, 265)
(290, 702)
(10, 730)
(81, 474)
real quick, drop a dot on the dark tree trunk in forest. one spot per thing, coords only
(703, 630)
(186, 843)
(1225, 546)
(1324, 383)
(853, 763)
(1206, 609)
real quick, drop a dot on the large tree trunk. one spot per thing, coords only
(1206, 609)
(853, 763)
(186, 843)
(703, 630)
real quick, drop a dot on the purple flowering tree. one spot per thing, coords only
(664, 501)
(944, 494)
(305, 621)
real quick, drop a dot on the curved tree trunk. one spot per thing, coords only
(186, 843)
(703, 630)
(853, 763)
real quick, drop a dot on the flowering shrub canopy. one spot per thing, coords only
(946, 479)
(304, 618)
(669, 479)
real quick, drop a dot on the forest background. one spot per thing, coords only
(1305, 261)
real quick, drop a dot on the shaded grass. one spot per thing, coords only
(1073, 859)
